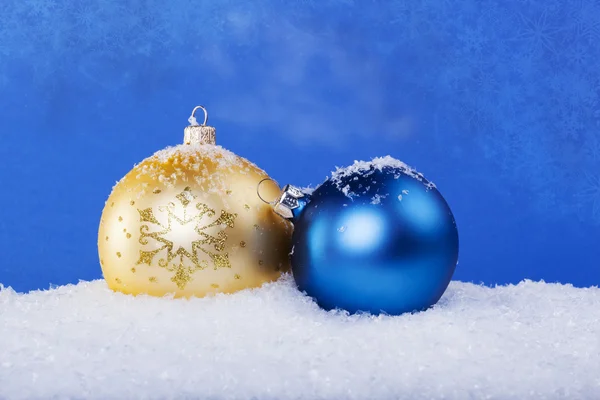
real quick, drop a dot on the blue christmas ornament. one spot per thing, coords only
(375, 237)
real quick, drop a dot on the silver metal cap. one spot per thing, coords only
(288, 201)
(199, 134)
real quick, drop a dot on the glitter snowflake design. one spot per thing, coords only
(185, 219)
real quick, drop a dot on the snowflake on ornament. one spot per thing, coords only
(184, 217)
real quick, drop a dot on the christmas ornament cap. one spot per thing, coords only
(291, 198)
(199, 134)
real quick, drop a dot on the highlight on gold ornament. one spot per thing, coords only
(187, 221)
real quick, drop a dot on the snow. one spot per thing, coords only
(169, 165)
(308, 190)
(528, 341)
(366, 168)
(188, 156)
(377, 163)
(223, 157)
(377, 198)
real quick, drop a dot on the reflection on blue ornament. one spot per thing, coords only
(375, 237)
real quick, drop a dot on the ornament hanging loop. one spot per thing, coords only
(196, 133)
(192, 119)
(258, 191)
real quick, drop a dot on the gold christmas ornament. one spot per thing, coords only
(188, 221)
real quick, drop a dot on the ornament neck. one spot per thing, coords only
(291, 202)
(199, 134)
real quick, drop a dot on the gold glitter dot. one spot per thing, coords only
(112, 204)
(133, 270)
(131, 202)
(125, 230)
(119, 254)
(236, 276)
(120, 219)
(156, 191)
(243, 244)
(106, 238)
(118, 280)
(214, 285)
(228, 192)
(101, 262)
(128, 236)
(152, 279)
(246, 206)
(260, 262)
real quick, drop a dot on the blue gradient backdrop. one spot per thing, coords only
(497, 102)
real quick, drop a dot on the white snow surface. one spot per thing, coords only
(533, 340)
(378, 163)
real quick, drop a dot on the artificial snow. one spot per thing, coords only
(186, 156)
(377, 163)
(221, 156)
(529, 341)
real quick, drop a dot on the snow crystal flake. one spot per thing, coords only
(346, 190)
(377, 198)
(307, 190)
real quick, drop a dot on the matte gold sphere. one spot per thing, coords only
(188, 221)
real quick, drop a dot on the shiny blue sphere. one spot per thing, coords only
(379, 240)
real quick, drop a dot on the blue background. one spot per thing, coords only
(497, 102)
